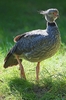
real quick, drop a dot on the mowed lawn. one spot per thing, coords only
(17, 17)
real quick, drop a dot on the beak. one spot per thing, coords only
(57, 15)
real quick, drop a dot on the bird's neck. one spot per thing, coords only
(51, 24)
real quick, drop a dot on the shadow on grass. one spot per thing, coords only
(45, 90)
(26, 90)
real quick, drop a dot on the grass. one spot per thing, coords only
(51, 86)
(17, 17)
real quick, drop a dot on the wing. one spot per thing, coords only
(17, 38)
(30, 41)
(31, 33)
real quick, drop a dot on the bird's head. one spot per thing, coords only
(50, 15)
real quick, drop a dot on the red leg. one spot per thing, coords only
(22, 73)
(37, 70)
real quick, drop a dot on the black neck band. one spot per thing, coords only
(51, 24)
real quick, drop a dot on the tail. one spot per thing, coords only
(10, 60)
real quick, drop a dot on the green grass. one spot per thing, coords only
(51, 86)
(17, 17)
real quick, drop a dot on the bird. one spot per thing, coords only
(36, 45)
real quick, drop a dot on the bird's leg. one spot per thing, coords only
(37, 71)
(22, 73)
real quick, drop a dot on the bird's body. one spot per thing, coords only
(38, 45)
(35, 46)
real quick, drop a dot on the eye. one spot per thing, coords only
(53, 13)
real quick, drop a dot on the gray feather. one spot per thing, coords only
(38, 45)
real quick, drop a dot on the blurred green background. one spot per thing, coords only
(19, 16)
